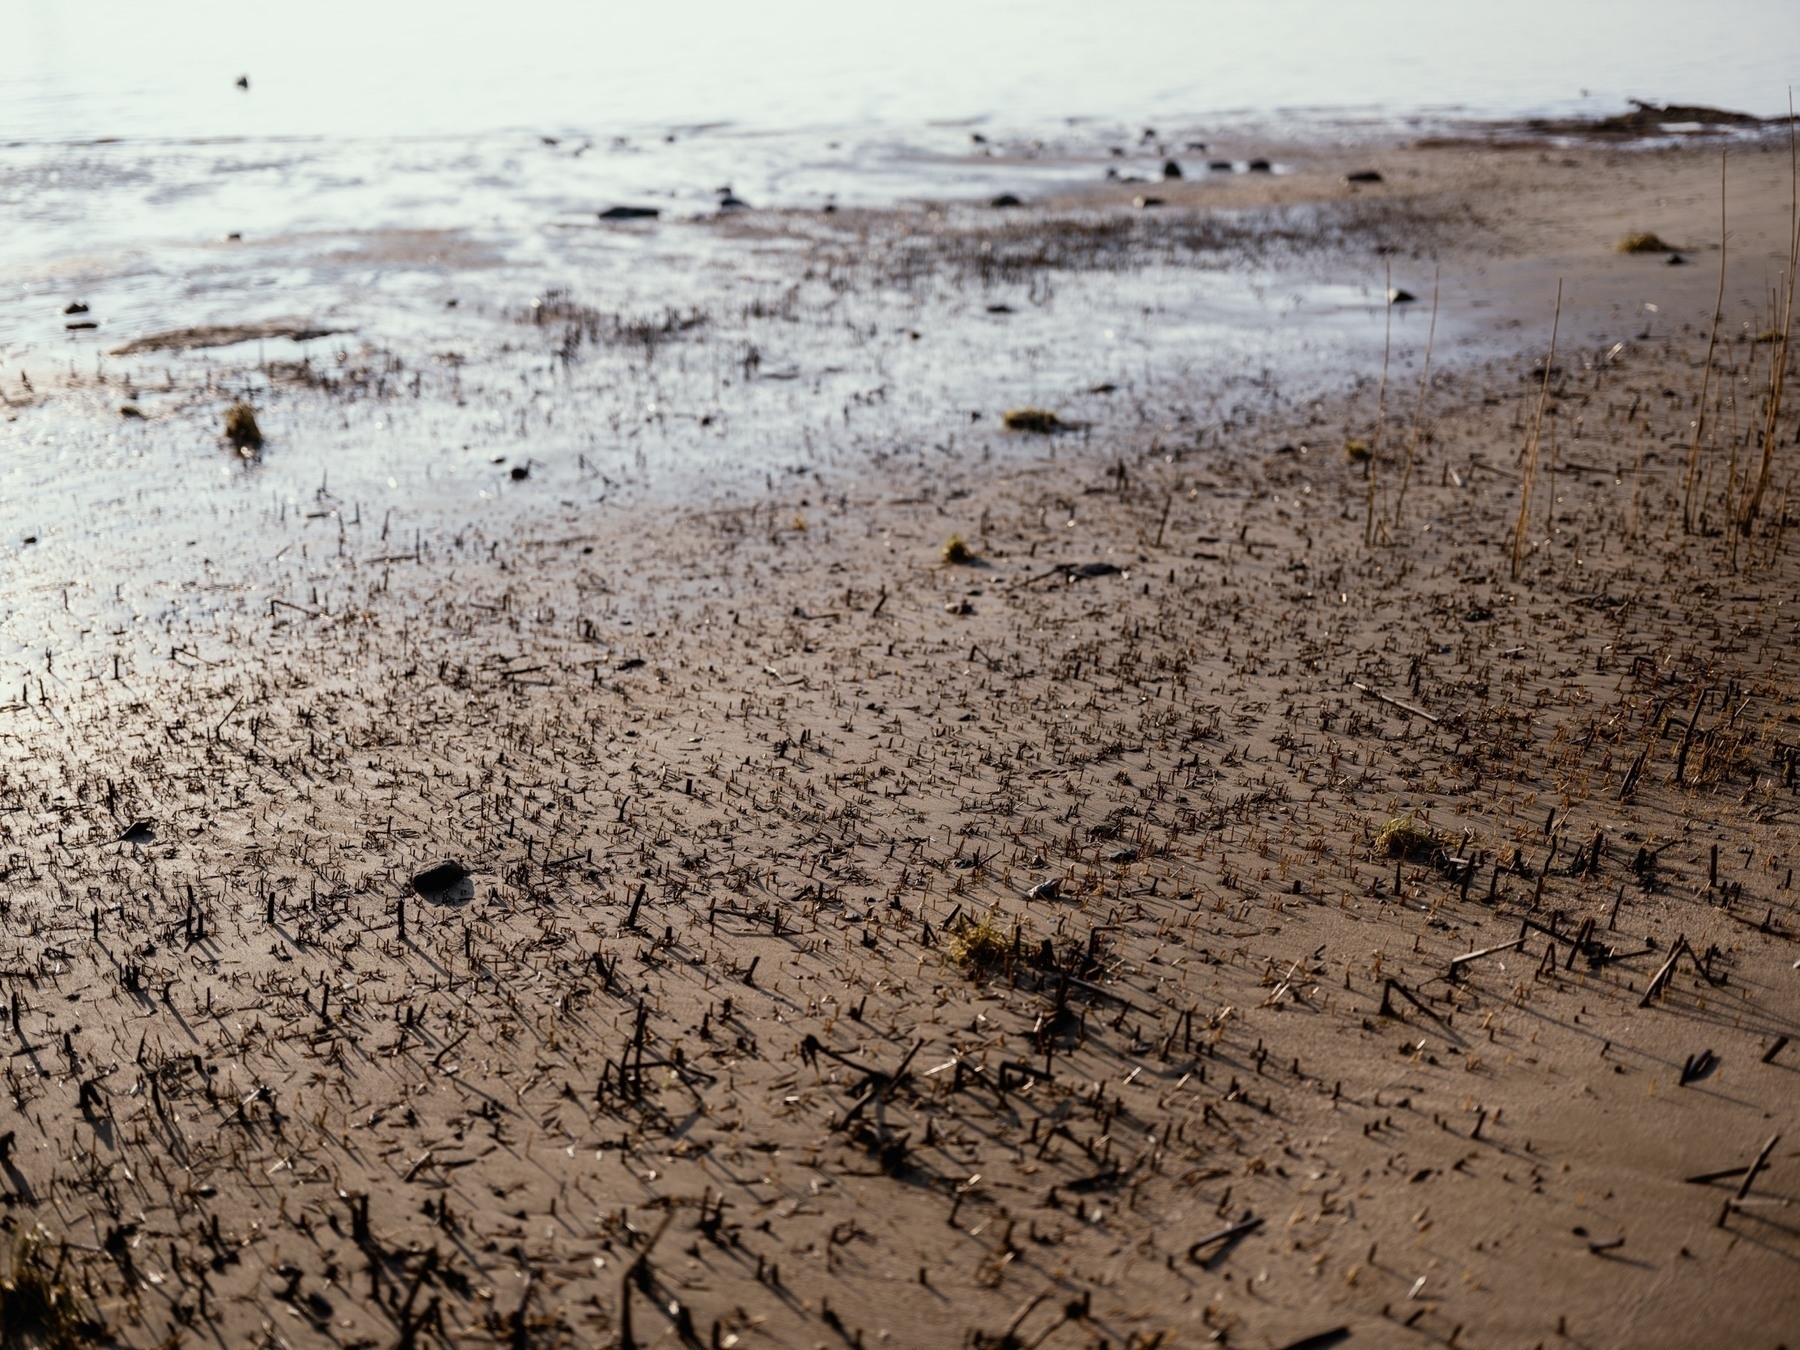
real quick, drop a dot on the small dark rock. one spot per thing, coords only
(999, 309)
(630, 213)
(440, 878)
(1145, 203)
(731, 203)
(1676, 260)
(1198, 147)
(1006, 199)
(243, 82)
(75, 307)
(1220, 165)
(1260, 166)
(1396, 296)
(1171, 169)
(1363, 176)
(521, 472)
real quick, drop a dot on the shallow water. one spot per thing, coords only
(415, 178)
(86, 68)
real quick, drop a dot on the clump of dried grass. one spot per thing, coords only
(980, 947)
(1642, 241)
(37, 1307)
(957, 552)
(1405, 837)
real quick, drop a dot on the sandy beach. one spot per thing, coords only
(1312, 865)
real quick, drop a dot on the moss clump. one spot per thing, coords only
(1038, 420)
(241, 429)
(1405, 837)
(1357, 452)
(957, 552)
(1643, 242)
(981, 947)
(37, 1307)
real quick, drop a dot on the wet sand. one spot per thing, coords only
(862, 948)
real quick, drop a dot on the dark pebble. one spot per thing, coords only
(438, 879)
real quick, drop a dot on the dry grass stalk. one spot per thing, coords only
(1783, 329)
(1387, 343)
(1412, 440)
(1531, 449)
(1712, 342)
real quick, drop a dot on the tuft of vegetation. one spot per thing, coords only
(981, 947)
(241, 429)
(1405, 837)
(37, 1307)
(1643, 242)
(957, 552)
(1357, 452)
(1037, 420)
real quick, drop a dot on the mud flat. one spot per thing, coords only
(1238, 903)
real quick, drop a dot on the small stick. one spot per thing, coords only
(1466, 957)
(1774, 1050)
(1237, 1230)
(1761, 1159)
(1749, 1177)
(1415, 710)
(1661, 977)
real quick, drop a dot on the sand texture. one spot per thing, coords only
(1228, 906)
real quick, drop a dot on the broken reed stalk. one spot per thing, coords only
(1531, 446)
(1387, 344)
(1412, 440)
(1784, 323)
(1712, 342)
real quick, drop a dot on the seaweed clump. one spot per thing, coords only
(1037, 420)
(241, 430)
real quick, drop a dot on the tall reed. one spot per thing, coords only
(1531, 446)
